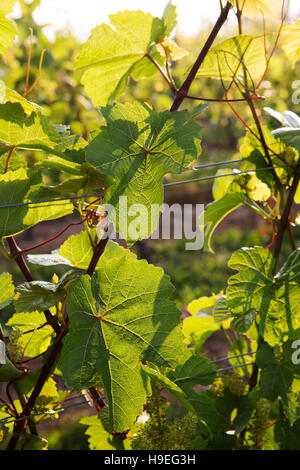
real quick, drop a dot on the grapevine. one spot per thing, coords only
(106, 326)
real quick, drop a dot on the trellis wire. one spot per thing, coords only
(226, 162)
(235, 173)
(175, 183)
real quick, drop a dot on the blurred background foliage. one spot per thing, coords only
(64, 100)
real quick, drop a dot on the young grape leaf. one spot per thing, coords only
(7, 290)
(38, 340)
(234, 57)
(15, 189)
(40, 295)
(290, 41)
(120, 317)
(78, 252)
(215, 212)
(169, 18)
(113, 53)
(266, 8)
(138, 146)
(7, 28)
(255, 290)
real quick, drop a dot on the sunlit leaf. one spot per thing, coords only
(114, 52)
(120, 317)
(274, 300)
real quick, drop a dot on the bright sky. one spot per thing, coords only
(81, 16)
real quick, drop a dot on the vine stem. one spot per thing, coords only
(98, 252)
(284, 221)
(8, 159)
(20, 425)
(19, 258)
(183, 90)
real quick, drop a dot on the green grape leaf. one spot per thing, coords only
(40, 294)
(277, 373)
(292, 406)
(250, 143)
(7, 28)
(50, 259)
(120, 317)
(99, 438)
(34, 443)
(169, 18)
(198, 329)
(201, 305)
(290, 41)
(78, 252)
(7, 290)
(168, 385)
(196, 370)
(221, 185)
(138, 147)
(234, 57)
(273, 299)
(38, 340)
(215, 212)
(9, 372)
(8, 95)
(252, 8)
(114, 52)
(33, 132)
(15, 189)
(16, 161)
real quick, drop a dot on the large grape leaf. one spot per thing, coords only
(138, 146)
(33, 132)
(274, 299)
(120, 317)
(266, 8)
(114, 52)
(7, 28)
(15, 188)
(234, 57)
